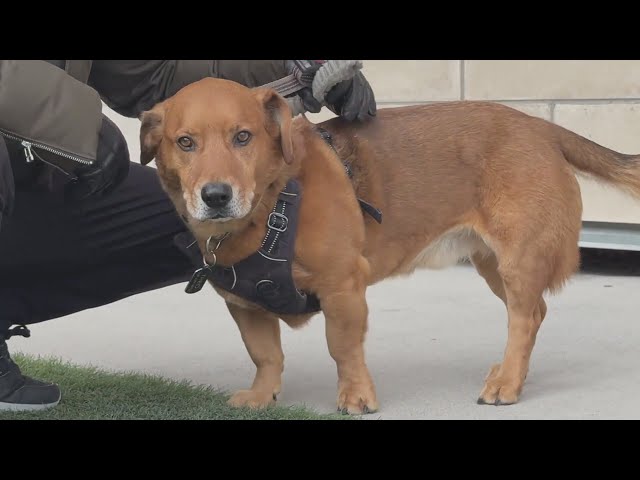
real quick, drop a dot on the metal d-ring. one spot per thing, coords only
(212, 251)
(208, 246)
(215, 260)
(209, 250)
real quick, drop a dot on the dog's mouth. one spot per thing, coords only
(220, 217)
(200, 210)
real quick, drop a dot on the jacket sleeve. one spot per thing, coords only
(130, 87)
(41, 104)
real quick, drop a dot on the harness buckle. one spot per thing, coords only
(274, 218)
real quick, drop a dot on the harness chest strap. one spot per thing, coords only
(264, 277)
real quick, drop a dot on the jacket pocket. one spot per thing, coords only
(48, 113)
(66, 162)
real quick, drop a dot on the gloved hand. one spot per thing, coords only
(309, 69)
(352, 99)
(109, 169)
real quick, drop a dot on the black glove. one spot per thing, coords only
(352, 99)
(307, 70)
(109, 169)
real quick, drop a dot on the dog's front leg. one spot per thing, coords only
(261, 335)
(346, 316)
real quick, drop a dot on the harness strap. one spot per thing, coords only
(320, 80)
(366, 207)
(286, 85)
(302, 76)
(265, 277)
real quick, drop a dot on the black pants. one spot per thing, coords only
(57, 259)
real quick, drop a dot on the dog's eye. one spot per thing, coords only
(243, 137)
(186, 144)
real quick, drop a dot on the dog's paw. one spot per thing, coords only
(357, 400)
(499, 390)
(252, 399)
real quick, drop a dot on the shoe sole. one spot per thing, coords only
(17, 407)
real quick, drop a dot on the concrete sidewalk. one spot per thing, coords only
(432, 339)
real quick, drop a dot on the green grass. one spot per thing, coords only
(92, 394)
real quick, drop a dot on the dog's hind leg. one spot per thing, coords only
(260, 333)
(524, 281)
(487, 267)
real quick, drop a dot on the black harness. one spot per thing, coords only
(265, 277)
(366, 207)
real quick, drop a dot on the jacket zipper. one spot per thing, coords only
(27, 145)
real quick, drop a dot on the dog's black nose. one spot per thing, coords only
(217, 195)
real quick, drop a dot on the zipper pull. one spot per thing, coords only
(27, 151)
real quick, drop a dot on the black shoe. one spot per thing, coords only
(19, 392)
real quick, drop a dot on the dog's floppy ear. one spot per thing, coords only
(278, 118)
(151, 132)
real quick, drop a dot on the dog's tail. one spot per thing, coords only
(617, 169)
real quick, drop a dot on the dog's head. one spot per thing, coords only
(218, 146)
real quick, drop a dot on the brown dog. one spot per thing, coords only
(453, 180)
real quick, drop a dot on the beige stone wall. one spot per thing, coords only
(598, 99)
